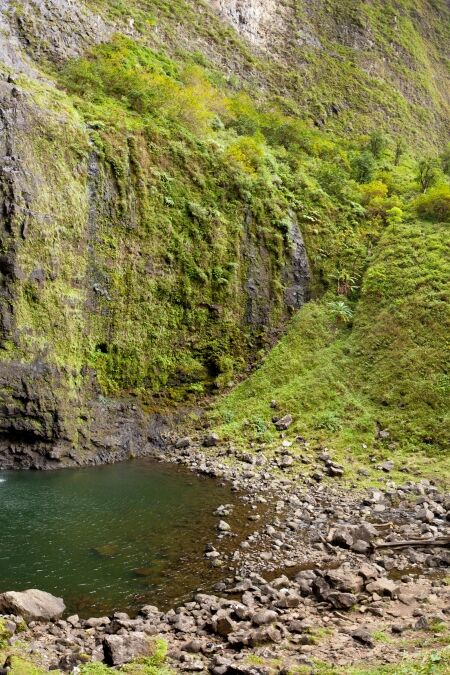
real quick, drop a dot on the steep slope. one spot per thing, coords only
(372, 384)
(160, 178)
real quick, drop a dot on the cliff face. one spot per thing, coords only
(149, 255)
(95, 297)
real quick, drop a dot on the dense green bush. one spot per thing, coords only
(435, 203)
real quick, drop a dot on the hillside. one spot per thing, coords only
(174, 189)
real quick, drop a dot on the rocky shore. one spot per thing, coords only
(326, 574)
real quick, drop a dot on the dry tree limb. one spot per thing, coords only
(438, 541)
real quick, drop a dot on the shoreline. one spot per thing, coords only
(307, 583)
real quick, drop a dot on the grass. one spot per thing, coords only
(385, 368)
(431, 663)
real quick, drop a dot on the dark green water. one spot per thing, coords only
(108, 538)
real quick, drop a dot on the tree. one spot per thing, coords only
(377, 143)
(445, 160)
(427, 173)
(363, 166)
(399, 150)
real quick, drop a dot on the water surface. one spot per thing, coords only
(110, 537)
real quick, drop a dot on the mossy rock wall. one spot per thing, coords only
(131, 265)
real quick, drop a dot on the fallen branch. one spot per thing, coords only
(438, 541)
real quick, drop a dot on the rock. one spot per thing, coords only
(365, 532)
(341, 536)
(184, 442)
(285, 461)
(369, 571)
(288, 600)
(425, 515)
(342, 600)
(283, 423)
(335, 471)
(360, 546)
(97, 622)
(222, 624)
(421, 623)
(211, 440)
(387, 466)
(120, 649)
(223, 526)
(345, 581)
(74, 620)
(32, 605)
(364, 637)
(382, 586)
(267, 634)
(264, 616)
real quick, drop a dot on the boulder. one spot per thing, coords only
(32, 605)
(344, 580)
(342, 600)
(382, 586)
(264, 616)
(120, 649)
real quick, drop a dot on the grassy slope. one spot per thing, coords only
(390, 369)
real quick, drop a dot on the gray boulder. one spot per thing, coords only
(33, 605)
(120, 649)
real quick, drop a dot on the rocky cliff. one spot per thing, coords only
(152, 227)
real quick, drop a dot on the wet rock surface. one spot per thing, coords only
(308, 581)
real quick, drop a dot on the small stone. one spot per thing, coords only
(223, 526)
(360, 546)
(342, 600)
(283, 423)
(222, 624)
(184, 442)
(211, 440)
(421, 623)
(97, 622)
(341, 536)
(74, 620)
(364, 637)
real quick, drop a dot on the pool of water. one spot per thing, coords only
(109, 538)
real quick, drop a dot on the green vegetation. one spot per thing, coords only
(174, 190)
(150, 665)
(434, 663)
(343, 377)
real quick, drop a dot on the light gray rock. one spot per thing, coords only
(33, 605)
(382, 586)
(120, 649)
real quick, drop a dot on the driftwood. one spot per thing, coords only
(438, 541)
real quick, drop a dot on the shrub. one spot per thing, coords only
(427, 173)
(434, 204)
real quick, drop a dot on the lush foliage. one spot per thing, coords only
(345, 373)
